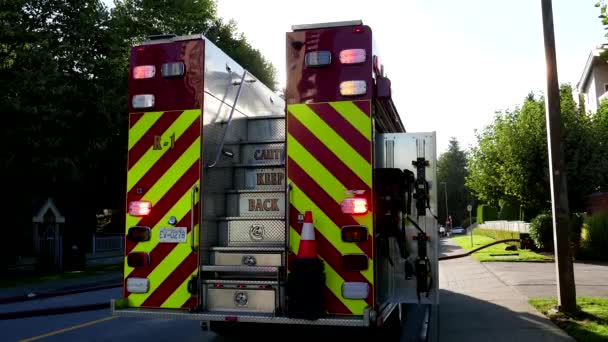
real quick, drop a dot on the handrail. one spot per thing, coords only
(221, 145)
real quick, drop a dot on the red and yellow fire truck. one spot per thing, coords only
(227, 181)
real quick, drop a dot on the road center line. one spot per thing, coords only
(64, 330)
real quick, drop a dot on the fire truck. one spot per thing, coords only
(227, 180)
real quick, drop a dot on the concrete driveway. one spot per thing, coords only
(538, 279)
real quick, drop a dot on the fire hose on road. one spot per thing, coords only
(448, 257)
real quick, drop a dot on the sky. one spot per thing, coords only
(452, 64)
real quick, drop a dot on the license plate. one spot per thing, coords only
(173, 235)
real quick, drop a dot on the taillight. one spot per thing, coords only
(140, 208)
(352, 56)
(143, 101)
(175, 69)
(358, 30)
(354, 205)
(355, 290)
(317, 58)
(354, 234)
(354, 262)
(353, 88)
(138, 285)
(139, 234)
(138, 259)
(144, 71)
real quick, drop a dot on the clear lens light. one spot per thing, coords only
(352, 56)
(140, 208)
(355, 290)
(352, 88)
(354, 206)
(174, 69)
(138, 285)
(143, 101)
(317, 58)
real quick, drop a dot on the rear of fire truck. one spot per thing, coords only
(222, 174)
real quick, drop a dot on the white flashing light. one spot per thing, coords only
(144, 71)
(317, 58)
(353, 88)
(138, 285)
(354, 205)
(174, 69)
(355, 290)
(352, 56)
(143, 101)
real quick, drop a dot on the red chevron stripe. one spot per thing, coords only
(322, 199)
(173, 281)
(333, 304)
(160, 209)
(190, 303)
(147, 140)
(133, 118)
(327, 158)
(365, 106)
(343, 128)
(329, 253)
(166, 161)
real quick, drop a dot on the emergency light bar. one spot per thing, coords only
(144, 71)
(352, 56)
(317, 58)
(353, 88)
(140, 208)
(143, 101)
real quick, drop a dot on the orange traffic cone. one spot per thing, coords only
(308, 244)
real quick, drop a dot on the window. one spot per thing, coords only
(605, 87)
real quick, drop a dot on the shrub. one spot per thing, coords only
(497, 234)
(541, 231)
(486, 213)
(594, 237)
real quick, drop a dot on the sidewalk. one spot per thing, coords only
(63, 284)
(476, 306)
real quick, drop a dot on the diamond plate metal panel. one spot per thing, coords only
(256, 204)
(260, 154)
(245, 299)
(266, 128)
(252, 233)
(247, 259)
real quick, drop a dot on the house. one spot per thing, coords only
(593, 84)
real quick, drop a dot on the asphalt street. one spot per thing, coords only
(101, 326)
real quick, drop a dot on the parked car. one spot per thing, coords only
(458, 230)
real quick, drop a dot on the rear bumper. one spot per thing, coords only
(349, 321)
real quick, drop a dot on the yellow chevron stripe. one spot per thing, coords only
(323, 177)
(150, 158)
(333, 141)
(161, 273)
(142, 126)
(351, 113)
(328, 228)
(333, 280)
(180, 296)
(166, 182)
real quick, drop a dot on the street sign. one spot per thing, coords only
(469, 207)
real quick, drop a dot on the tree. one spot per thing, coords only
(451, 169)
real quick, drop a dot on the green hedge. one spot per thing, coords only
(541, 231)
(486, 213)
(594, 237)
(509, 212)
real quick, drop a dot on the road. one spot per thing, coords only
(101, 326)
(534, 279)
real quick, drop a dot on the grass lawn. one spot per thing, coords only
(591, 325)
(485, 254)
(15, 281)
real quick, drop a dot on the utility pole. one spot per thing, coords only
(447, 212)
(566, 292)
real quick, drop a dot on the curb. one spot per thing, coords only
(41, 295)
(53, 311)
